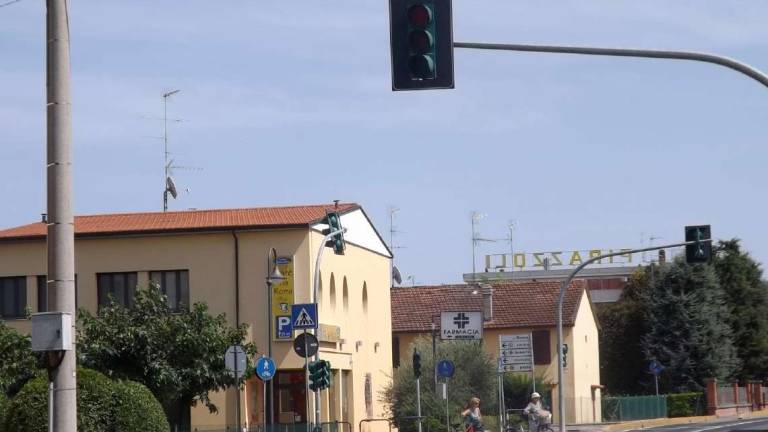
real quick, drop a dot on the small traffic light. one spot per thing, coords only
(416, 364)
(701, 251)
(319, 375)
(421, 39)
(337, 243)
(565, 355)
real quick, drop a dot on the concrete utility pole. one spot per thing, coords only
(61, 224)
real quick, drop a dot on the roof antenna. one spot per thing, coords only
(336, 204)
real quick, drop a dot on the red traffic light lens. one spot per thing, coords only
(420, 41)
(419, 15)
(422, 66)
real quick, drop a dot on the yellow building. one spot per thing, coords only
(524, 308)
(220, 257)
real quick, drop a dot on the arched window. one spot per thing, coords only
(365, 297)
(332, 292)
(345, 295)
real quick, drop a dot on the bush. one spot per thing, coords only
(137, 409)
(3, 408)
(686, 404)
(103, 405)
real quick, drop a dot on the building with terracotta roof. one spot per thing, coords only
(508, 309)
(220, 257)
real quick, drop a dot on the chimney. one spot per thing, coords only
(44, 217)
(487, 302)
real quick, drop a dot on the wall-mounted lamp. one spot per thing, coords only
(358, 344)
(376, 347)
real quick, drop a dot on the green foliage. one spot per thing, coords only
(688, 328)
(17, 362)
(475, 378)
(747, 298)
(686, 404)
(4, 402)
(103, 405)
(178, 356)
(137, 409)
(518, 389)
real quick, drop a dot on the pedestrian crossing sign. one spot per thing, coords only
(304, 316)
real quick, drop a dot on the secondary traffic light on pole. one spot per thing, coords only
(336, 242)
(416, 364)
(701, 251)
(421, 40)
(319, 375)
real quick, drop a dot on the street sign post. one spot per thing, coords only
(265, 368)
(461, 325)
(515, 353)
(655, 368)
(445, 368)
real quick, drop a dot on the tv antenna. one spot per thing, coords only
(169, 185)
(476, 238)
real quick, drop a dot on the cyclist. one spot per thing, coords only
(538, 417)
(472, 416)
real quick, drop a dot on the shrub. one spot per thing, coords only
(685, 404)
(137, 409)
(3, 408)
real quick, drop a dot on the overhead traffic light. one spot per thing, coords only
(319, 375)
(416, 364)
(336, 242)
(701, 251)
(421, 39)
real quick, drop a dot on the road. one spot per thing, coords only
(753, 424)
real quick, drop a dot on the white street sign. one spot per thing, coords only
(461, 325)
(235, 360)
(515, 353)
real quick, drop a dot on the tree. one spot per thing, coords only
(17, 362)
(747, 297)
(688, 327)
(475, 376)
(178, 356)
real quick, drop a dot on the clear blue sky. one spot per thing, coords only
(583, 152)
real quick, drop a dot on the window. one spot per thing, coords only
(175, 285)
(42, 294)
(365, 297)
(333, 293)
(345, 295)
(13, 297)
(395, 351)
(117, 287)
(541, 349)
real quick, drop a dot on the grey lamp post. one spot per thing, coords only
(273, 276)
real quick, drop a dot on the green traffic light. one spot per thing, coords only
(422, 66)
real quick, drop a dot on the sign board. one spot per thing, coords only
(236, 360)
(282, 300)
(304, 316)
(445, 368)
(329, 333)
(655, 367)
(461, 325)
(306, 345)
(515, 353)
(265, 368)
(557, 259)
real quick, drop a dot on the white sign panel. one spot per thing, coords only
(515, 353)
(461, 325)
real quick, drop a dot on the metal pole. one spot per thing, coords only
(656, 379)
(306, 380)
(434, 356)
(447, 412)
(61, 227)
(744, 68)
(264, 401)
(237, 393)
(165, 152)
(271, 260)
(50, 406)
(418, 402)
(501, 403)
(561, 298)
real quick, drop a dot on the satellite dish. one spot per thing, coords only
(396, 275)
(170, 186)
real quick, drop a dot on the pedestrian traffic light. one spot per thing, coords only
(319, 375)
(701, 251)
(416, 364)
(336, 242)
(421, 40)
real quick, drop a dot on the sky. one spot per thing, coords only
(290, 102)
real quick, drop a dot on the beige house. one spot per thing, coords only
(220, 257)
(519, 308)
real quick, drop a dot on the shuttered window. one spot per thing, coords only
(542, 355)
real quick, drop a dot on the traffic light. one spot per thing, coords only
(416, 364)
(421, 40)
(319, 375)
(701, 251)
(565, 355)
(336, 242)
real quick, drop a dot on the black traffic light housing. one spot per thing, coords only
(416, 364)
(701, 251)
(319, 375)
(565, 355)
(337, 243)
(421, 40)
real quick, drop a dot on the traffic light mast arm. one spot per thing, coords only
(561, 298)
(730, 63)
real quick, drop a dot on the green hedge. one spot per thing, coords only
(686, 404)
(3, 408)
(103, 405)
(137, 409)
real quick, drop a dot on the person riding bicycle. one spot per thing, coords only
(472, 416)
(537, 415)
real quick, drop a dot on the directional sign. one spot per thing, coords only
(305, 345)
(461, 325)
(304, 316)
(445, 368)
(235, 360)
(265, 368)
(515, 353)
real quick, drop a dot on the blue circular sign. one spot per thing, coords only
(655, 367)
(265, 368)
(445, 368)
